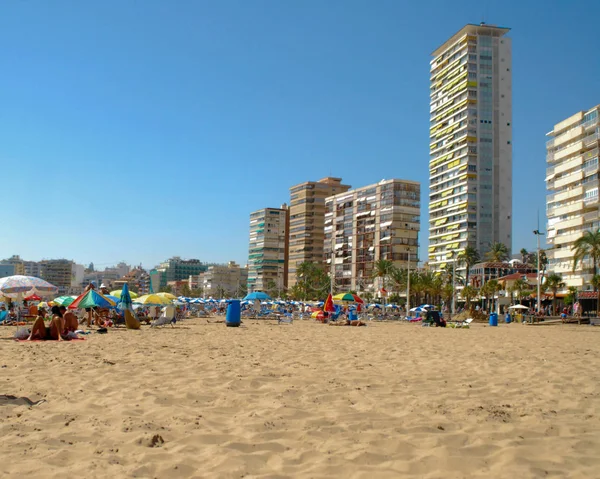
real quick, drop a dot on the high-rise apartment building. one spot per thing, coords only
(17, 262)
(58, 272)
(307, 216)
(572, 202)
(269, 249)
(379, 221)
(470, 167)
(177, 269)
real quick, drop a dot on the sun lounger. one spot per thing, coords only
(287, 318)
(461, 324)
(3, 316)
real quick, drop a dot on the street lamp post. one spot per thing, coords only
(408, 286)
(538, 233)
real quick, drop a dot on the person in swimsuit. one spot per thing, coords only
(41, 331)
(71, 322)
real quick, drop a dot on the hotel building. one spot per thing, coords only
(470, 167)
(307, 216)
(379, 221)
(224, 281)
(572, 183)
(269, 249)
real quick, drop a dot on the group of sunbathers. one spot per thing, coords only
(62, 324)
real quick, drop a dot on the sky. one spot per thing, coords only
(138, 130)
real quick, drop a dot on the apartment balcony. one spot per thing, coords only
(567, 239)
(563, 253)
(566, 180)
(570, 193)
(590, 140)
(591, 217)
(568, 151)
(568, 209)
(568, 165)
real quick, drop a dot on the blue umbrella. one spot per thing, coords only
(257, 295)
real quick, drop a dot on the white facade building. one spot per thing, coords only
(470, 167)
(572, 202)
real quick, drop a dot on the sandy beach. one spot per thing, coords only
(304, 400)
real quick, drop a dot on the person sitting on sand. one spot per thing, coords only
(71, 321)
(41, 331)
(347, 322)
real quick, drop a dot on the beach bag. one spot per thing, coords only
(22, 333)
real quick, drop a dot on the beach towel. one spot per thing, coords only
(48, 340)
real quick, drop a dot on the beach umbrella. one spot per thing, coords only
(349, 297)
(131, 322)
(418, 309)
(119, 292)
(329, 307)
(518, 306)
(33, 297)
(257, 295)
(91, 299)
(153, 299)
(18, 286)
(64, 300)
(167, 295)
(43, 304)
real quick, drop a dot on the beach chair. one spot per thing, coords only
(3, 316)
(287, 318)
(169, 316)
(461, 324)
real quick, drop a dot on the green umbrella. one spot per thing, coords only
(64, 300)
(91, 299)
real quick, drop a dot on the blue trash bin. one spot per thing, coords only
(507, 318)
(493, 319)
(352, 316)
(233, 317)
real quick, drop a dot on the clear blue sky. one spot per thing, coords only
(142, 129)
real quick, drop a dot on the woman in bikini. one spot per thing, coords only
(41, 331)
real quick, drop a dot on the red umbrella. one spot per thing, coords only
(33, 297)
(329, 307)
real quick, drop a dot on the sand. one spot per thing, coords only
(304, 400)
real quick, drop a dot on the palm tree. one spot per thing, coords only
(486, 292)
(448, 293)
(497, 253)
(553, 283)
(519, 286)
(469, 256)
(468, 293)
(383, 268)
(571, 295)
(524, 255)
(491, 287)
(587, 245)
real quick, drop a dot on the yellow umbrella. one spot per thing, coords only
(117, 293)
(152, 299)
(167, 295)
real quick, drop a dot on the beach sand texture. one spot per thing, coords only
(304, 400)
